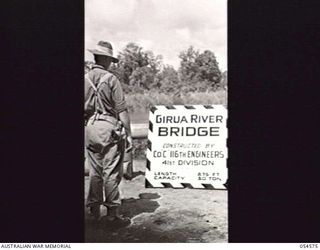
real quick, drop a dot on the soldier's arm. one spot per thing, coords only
(124, 118)
(121, 108)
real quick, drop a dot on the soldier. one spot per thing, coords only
(106, 119)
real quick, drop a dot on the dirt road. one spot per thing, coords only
(163, 215)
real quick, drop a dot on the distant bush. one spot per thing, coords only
(140, 70)
(139, 103)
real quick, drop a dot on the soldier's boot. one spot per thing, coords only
(115, 218)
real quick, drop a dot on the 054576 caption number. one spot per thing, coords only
(308, 245)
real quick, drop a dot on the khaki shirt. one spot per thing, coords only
(111, 93)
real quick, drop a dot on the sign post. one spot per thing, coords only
(187, 147)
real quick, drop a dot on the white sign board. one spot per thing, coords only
(187, 147)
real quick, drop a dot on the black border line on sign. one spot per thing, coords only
(207, 186)
(149, 145)
(208, 106)
(153, 109)
(170, 107)
(187, 185)
(147, 184)
(184, 186)
(189, 107)
(150, 126)
(167, 185)
(148, 165)
(226, 184)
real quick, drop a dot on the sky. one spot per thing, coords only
(166, 27)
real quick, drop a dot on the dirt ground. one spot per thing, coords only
(163, 214)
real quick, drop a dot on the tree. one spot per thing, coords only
(167, 80)
(198, 71)
(137, 67)
(224, 80)
(143, 77)
(87, 66)
(188, 68)
(208, 67)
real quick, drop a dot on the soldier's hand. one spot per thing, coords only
(129, 143)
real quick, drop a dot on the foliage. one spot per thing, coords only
(198, 71)
(140, 71)
(167, 80)
(87, 66)
(224, 80)
(136, 66)
(139, 104)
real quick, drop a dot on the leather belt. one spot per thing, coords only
(104, 117)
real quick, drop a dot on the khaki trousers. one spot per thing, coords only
(104, 150)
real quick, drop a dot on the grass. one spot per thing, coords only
(139, 104)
